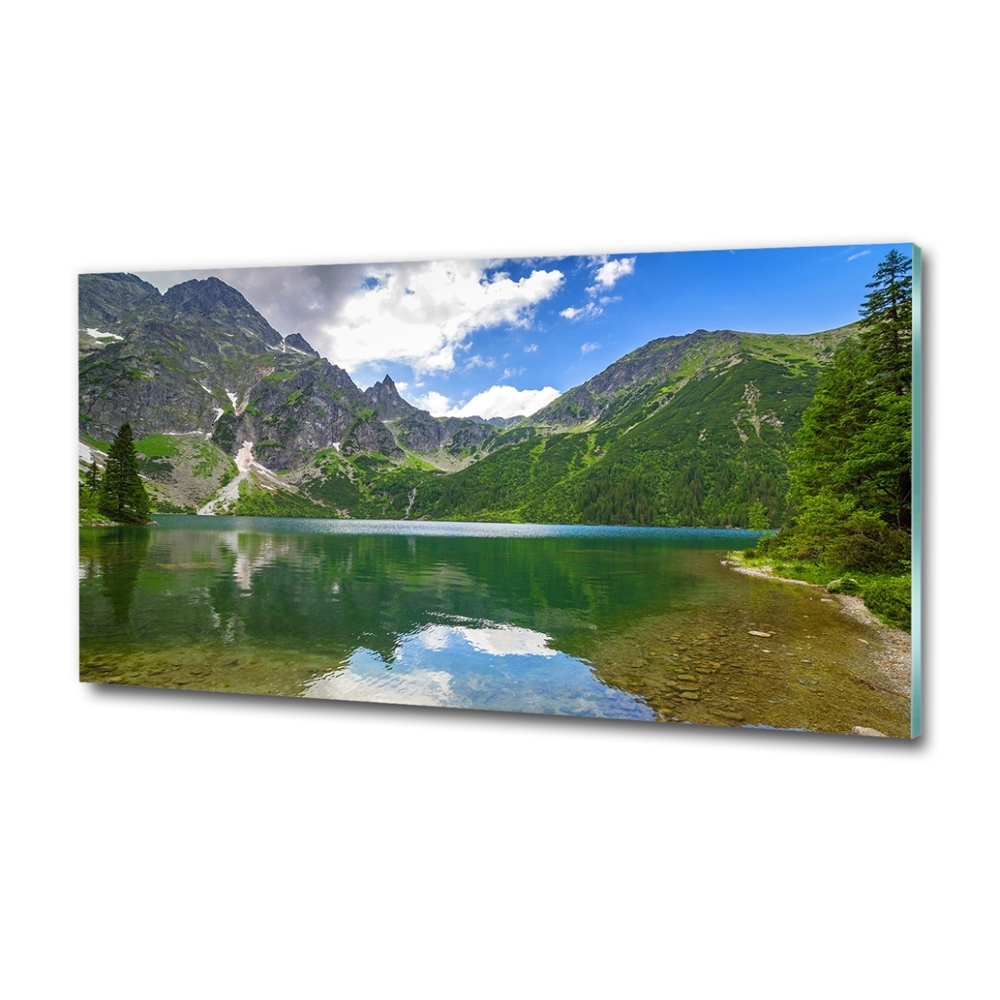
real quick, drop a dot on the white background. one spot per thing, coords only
(168, 844)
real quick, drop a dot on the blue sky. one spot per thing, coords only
(497, 338)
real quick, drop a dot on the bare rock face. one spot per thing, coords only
(201, 359)
(299, 343)
(425, 434)
(291, 415)
(416, 430)
(388, 403)
(212, 304)
(369, 434)
(867, 731)
(105, 299)
(170, 363)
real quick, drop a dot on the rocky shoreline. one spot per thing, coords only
(891, 653)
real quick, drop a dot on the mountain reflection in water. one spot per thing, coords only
(627, 623)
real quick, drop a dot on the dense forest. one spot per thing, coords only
(704, 446)
(851, 491)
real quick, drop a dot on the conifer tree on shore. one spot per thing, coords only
(887, 323)
(851, 467)
(93, 481)
(123, 496)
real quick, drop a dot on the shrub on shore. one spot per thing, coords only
(889, 598)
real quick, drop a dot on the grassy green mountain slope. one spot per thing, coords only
(675, 436)
(648, 376)
(230, 416)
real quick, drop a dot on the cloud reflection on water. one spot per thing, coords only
(493, 638)
(483, 665)
(418, 687)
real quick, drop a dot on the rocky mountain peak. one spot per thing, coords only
(132, 279)
(299, 343)
(219, 305)
(106, 299)
(387, 400)
(201, 294)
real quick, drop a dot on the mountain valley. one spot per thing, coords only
(231, 417)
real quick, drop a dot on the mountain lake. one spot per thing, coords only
(630, 623)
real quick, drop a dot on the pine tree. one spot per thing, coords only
(881, 455)
(123, 497)
(831, 424)
(757, 519)
(850, 469)
(887, 323)
(93, 480)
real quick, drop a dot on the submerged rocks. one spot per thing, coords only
(728, 716)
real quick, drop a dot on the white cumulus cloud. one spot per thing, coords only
(478, 361)
(589, 311)
(855, 256)
(496, 401)
(609, 271)
(606, 273)
(421, 314)
(531, 348)
(506, 401)
(587, 348)
(435, 403)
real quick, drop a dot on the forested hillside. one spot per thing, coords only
(230, 417)
(704, 441)
(851, 468)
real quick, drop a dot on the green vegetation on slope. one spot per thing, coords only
(686, 431)
(691, 430)
(182, 470)
(713, 454)
(506, 485)
(254, 501)
(717, 448)
(851, 467)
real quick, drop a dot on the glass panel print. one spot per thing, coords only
(668, 487)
